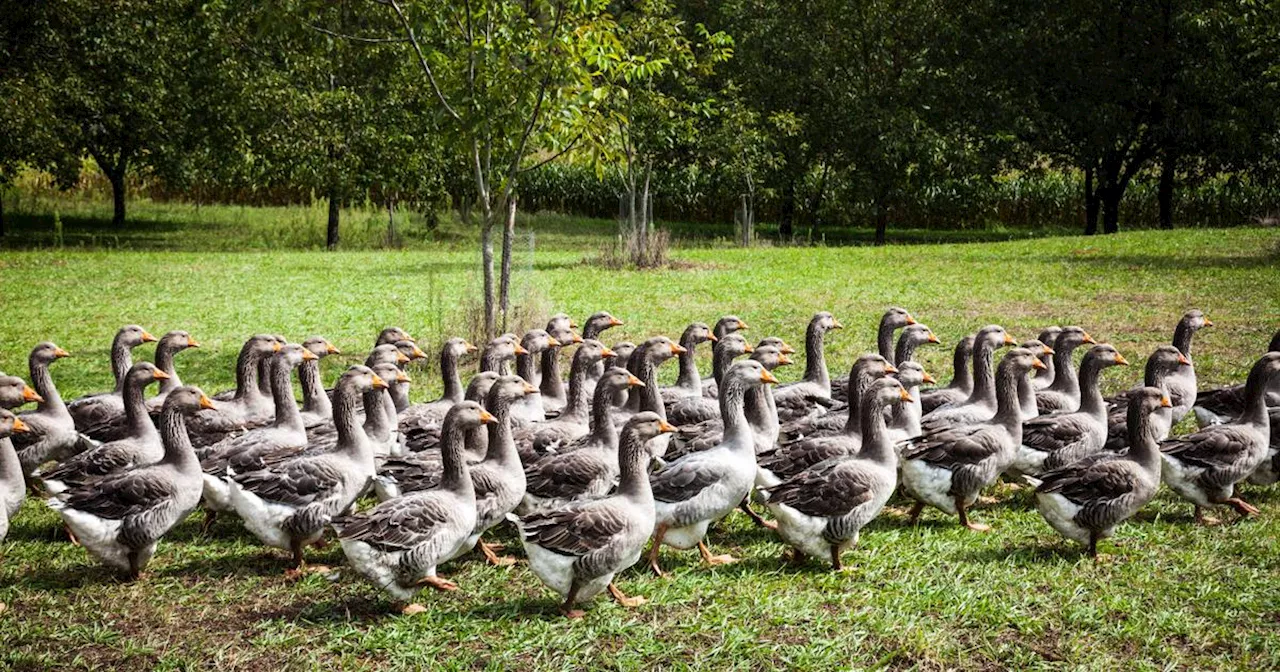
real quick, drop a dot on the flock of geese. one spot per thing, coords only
(593, 469)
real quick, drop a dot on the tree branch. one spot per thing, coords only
(422, 59)
(555, 156)
(354, 38)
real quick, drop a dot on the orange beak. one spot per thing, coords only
(1046, 350)
(275, 346)
(889, 368)
(1165, 403)
(665, 427)
(469, 347)
(835, 324)
(401, 358)
(486, 418)
(742, 325)
(1208, 322)
(1037, 364)
(206, 402)
(529, 389)
(1088, 338)
(575, 338)
(59, 353)
(19, 426)
(1009, 340)
(932, 338)
(1121, 360)
(929, 379)
(308, 356)
(910, 320)
(906, 396)
(615, 322)
(401, 377)
(379, 383)
(160, 375)
(787, 350)
(520, 350)
(767, 377)
(748, 348)
(632, 381)
(147, 337)
(29, 395)
(677, 349)
(606, 353)
(418, 353)
(1182, 359)
(191, 343)
(784, 360)
(712, 338)
(553, 342)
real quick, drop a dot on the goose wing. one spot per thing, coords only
(296, 482)
(124, 494)
(577, 530)
(565, 476)
(832, 488)
(398, 524)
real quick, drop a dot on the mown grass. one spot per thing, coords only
(1172, 595)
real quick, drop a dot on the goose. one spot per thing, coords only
(247, 407)
(688, 382)
(420, 468)
(903, 421)
(725, 326)
(1085, 500)
(498, 352)
(821, 510)
(550, 384)
(167, 348)
(399, 391)
(690, 410)
(1048, 336)
(1059, 438)
(1064, 392)
(961, 385)
(981, 402)
(1182, 383)
(120, 517)
(386, 353)
(1163, 361)
(593, 328)
(424, 437)
(97, 409)
(585, 468)
(644, 365)
(801, 398)
(529, 408)
(577, 549)
(622, 352)
(51, 433)
(379, 419)
(893, 319)
(261, 375)
(948, 467)
(1027, 386)
(287, 431)
(826, 441)
(12, 484)
(392, 335)
(912, 337)
(419, 417)
(288, 505)
(141, 445)
(1204, 467)
(704, 486)
(317, 407)
(536, 440)
(1223, 404)
(398, 544)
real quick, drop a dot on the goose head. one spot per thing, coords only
(918, 334)
(561, 327)
(292, 355)
(868, 368)
(778, 343)
(734, 344)
(15, 392)
(10, 424)
(1043, 352)
(622, 353)
(886, 392)
(1195, 320)
(503, 348)
(320, 347)
(696, 333)
(1071, 338)
(537, 340)
(647, 425)
(1049, 335)
(896, 318)
(770, 356)
(362, 379)
(46, 353)
(660, 348)
(994, 336)
(750, 373)
(601, 321)
(391, 374)
(143, 374)
(387, 353)
(824, 321)
(1019, 361)
(912, 374)
(468, 415)
(507, 389)
(187, 400)
(410, 350)
(393, 335)
(177, 340)
(1106, 355)
(479, 386)
(729, 324)
(132, 335)
(1165, 360)
(617, 378)
(593, 351)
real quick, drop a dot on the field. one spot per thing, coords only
(1169, 595)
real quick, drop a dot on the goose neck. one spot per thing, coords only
(42, 381)
(633, 479)
(135, 409)
(452, 452)
(875, 443)
(601, 419)
(121, 361)
(1065, 379)
(551, 385)
(165, 353)
(287, 414)
(173, 434)
(1182, 335)
(351, 434)
(732, 410)
(1091, 400)
(450, 377)
(689, 377)
(576, 406)
(884, 340)
(314, 399)
(815, 362)
(962, 376)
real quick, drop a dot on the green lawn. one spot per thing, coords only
(933, 596)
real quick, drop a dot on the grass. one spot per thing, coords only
(1172, 595)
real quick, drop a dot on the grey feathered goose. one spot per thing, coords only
(425, 437)
(550, 384)
(1027, 387)
(1204, 467)
(948, 467)
(169, 346)
(903, 421)
(822, 510)
(98, 409)
(1049, 336)
(529, 408)
(51, 433)
(981, 402)
(688, 381)
(140, 445)
(577, 549)
(1085, 500)
(585, 467)
(961, 385)
(912, 337)
(286, 432)
(246, 407)
(262, 372)
(1163, 361)
(288, 505)
(893, 319)
(1059, 438)
(499, 352)
(538, 439)
(398, 544)
(119, 518)
(704, 486)
(644, 365)
(418, 417)
(725, 326)
(622, 352)
(379, 420)
(1222, 404)
(13, 487)
(1182, 384)
(593, 328)
(688, 410)
(393, 335)
(802, 398)
(317, 407)
(817, 442)
(1064, 393)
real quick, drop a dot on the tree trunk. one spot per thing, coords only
(1110, 196)
(643, 241)
(508, 233)
(1165, 192)
(882, 224)
(392, 238)
(3, 231)
(486, 261)
(335, 213)
(1090, 203)
(786, 224)
(117, 196)
(816, 202)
